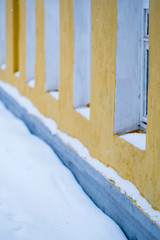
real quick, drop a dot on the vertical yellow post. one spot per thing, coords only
(66, 59)
(103, 68)
(15, 35)
(153, 125)
(40, 49)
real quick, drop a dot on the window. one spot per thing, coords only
(145, 68)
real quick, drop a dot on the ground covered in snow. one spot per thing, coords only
(39, 197)
(125, 186)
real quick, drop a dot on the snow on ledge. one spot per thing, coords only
(54, 94)
(84, 111)
(125, 186)
(3, 66)
(17, 74)
(136, 139)
(31, 83)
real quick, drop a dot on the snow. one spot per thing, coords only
(40, 198)
(3, 67)
(31, 83)
(125, 186)
(84, 111)
(136, 139)
(54, 94)
(17, 74)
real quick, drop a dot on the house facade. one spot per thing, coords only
(93, 66)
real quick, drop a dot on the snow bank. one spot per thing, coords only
(39, 197)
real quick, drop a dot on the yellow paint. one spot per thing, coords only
(140, 167)
(16, 35)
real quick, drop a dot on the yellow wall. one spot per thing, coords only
(97, 134)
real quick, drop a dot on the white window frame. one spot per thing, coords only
(144, 65)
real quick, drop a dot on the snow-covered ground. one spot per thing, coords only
(125, 186)
(39, 197)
